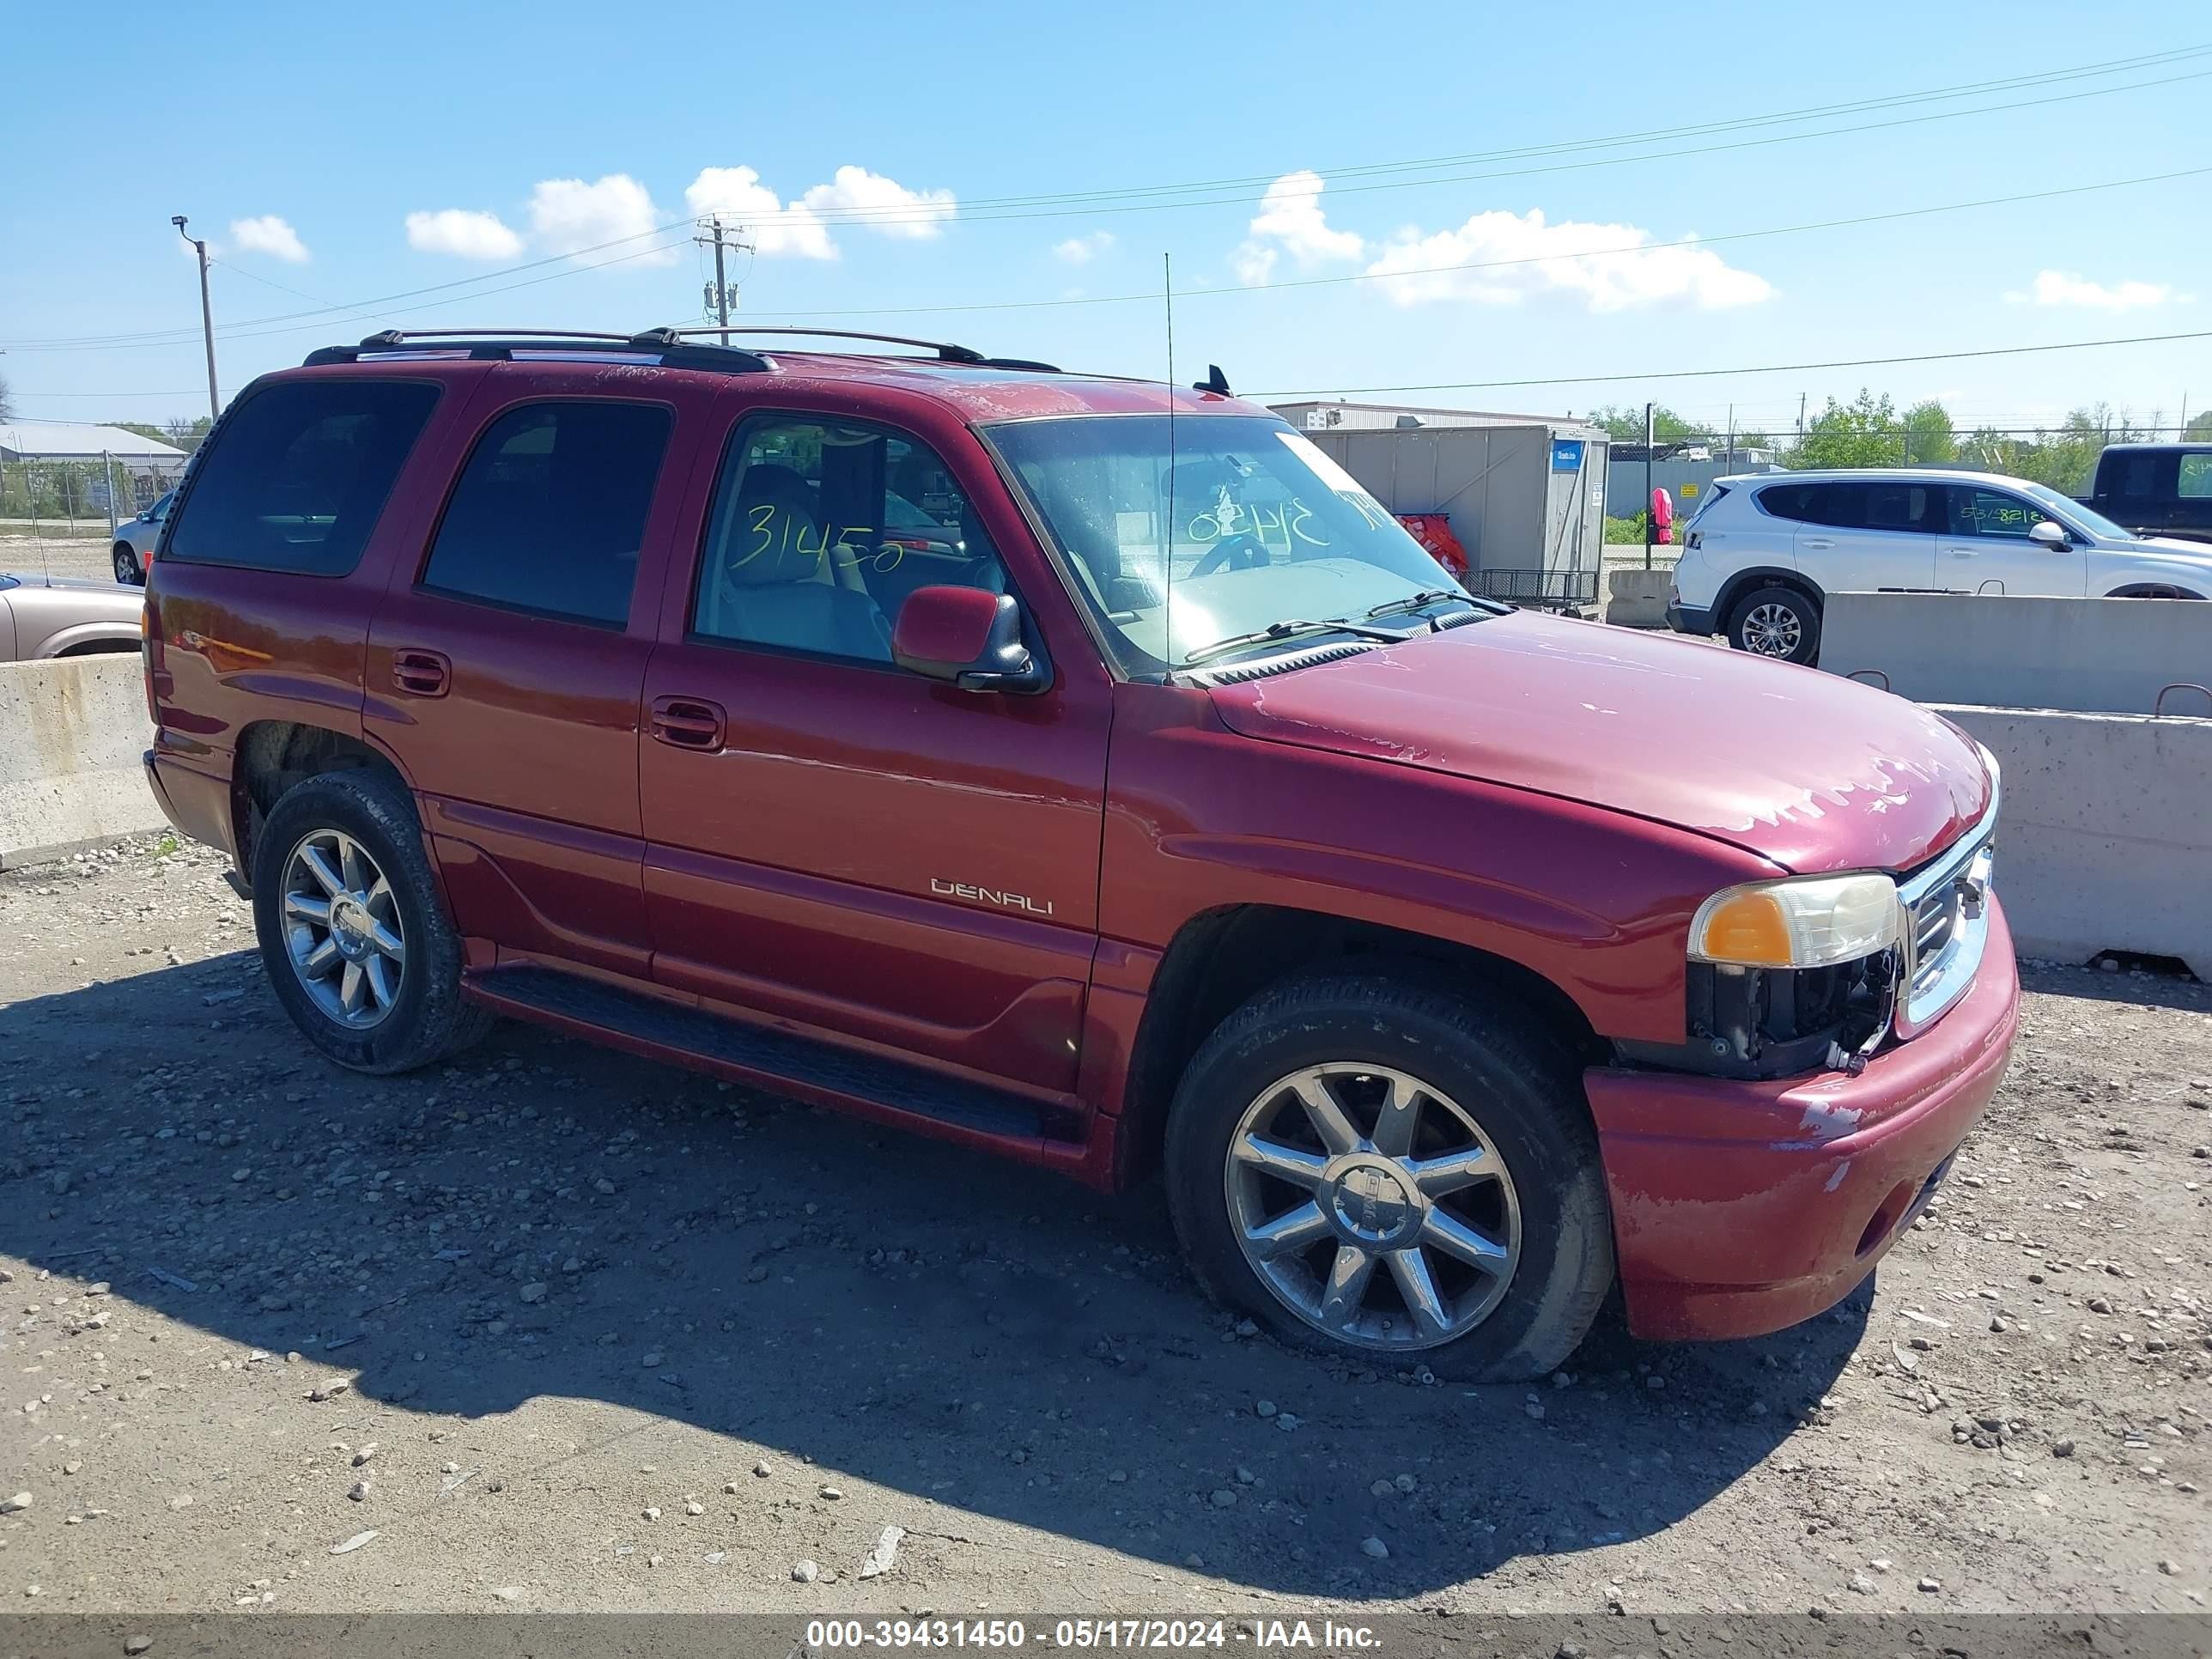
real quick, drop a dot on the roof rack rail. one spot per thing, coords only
(502, 344)
(945, 351)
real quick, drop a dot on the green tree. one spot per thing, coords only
(1627, 425)
(1865, 432)
(1928, 439)
(184, 434)
(2199, 429)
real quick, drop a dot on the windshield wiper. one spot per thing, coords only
(1289, 626)
(1429, 596)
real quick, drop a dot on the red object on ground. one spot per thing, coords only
(1663, 517)
(1433, 531)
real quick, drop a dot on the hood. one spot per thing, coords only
(2177, 546)
(72, 584)
(1809, 770)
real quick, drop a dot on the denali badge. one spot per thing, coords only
(990, 896)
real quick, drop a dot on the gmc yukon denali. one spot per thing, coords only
(1090, 771)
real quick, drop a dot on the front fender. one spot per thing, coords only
(1594, 902)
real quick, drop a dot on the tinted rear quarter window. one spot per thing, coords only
(549, 512)
(2196, 480)
(298, 475)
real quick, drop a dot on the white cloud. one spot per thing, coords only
(1611, 267)
(567, 215)
(1082, 250)
(463, 233)
(801, 227)
(883, 205)
(1290, 221)
(2067, 288)
(738, 196)
(270, 236)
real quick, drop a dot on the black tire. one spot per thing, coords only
(428, 1018)
(1786, 607)
(1500, 1064)
(128, 571)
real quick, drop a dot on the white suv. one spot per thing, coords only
(1764, 550)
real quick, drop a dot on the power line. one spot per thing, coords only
(371, 310)
(270, 282)
(1062, 204)
(1763, 368)
(1529, 259)
(1986, 88)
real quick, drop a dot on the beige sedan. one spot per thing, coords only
(66, 617)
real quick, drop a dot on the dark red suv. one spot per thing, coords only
(1090, 771)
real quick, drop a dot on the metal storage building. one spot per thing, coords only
(1525, 493)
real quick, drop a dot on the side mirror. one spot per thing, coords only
(2049, 532)
(966, 637)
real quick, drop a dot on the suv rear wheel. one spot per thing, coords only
(1378, 1168)
(356, 944)
(1778, 622)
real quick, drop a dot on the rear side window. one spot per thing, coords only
(2195, 477)
(2139, 477)
(1870, 505)
(549, 512)
(1895, 506)
(298, 474)
(1785, 501)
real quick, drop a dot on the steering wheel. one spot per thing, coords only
(1232, 553)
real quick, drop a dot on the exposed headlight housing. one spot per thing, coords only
(1806, 922)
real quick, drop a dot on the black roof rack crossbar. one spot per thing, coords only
(946, 352)
(501, 345)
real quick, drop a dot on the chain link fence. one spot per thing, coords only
(88, 497)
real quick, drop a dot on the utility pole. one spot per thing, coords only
(1650, 502)
(207, 312)
(1801, 419)
(719, 300)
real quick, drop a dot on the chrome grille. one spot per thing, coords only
(1934, 920)
(1949, 923)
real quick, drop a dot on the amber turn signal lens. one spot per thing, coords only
(1807, 922)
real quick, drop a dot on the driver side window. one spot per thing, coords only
(820, 529)
(1993, 514)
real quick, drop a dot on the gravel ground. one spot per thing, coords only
(556, 1328)
(78, 555)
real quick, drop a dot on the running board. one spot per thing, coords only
(768, 1059)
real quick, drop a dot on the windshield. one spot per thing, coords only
(2067, 510)
(1254, 524)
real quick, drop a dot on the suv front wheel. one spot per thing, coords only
(1378, 1168)
(354, 938)
(1778, 622)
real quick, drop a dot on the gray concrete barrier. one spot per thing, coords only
(72, 733)
(2109, 655)
(2105, 841)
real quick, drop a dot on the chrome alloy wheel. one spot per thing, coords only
(342, 929)
(1772, 630)
(1339, 1170)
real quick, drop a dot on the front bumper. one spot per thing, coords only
(1688, 619)
(1743, 1207)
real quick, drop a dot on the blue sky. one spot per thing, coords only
(890, 157)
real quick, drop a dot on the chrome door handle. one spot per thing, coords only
(1821, 541)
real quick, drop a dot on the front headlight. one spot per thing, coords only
(1808, 922)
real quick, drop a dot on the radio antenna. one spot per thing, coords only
(1167, 532)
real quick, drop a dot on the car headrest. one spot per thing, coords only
(776, 537)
